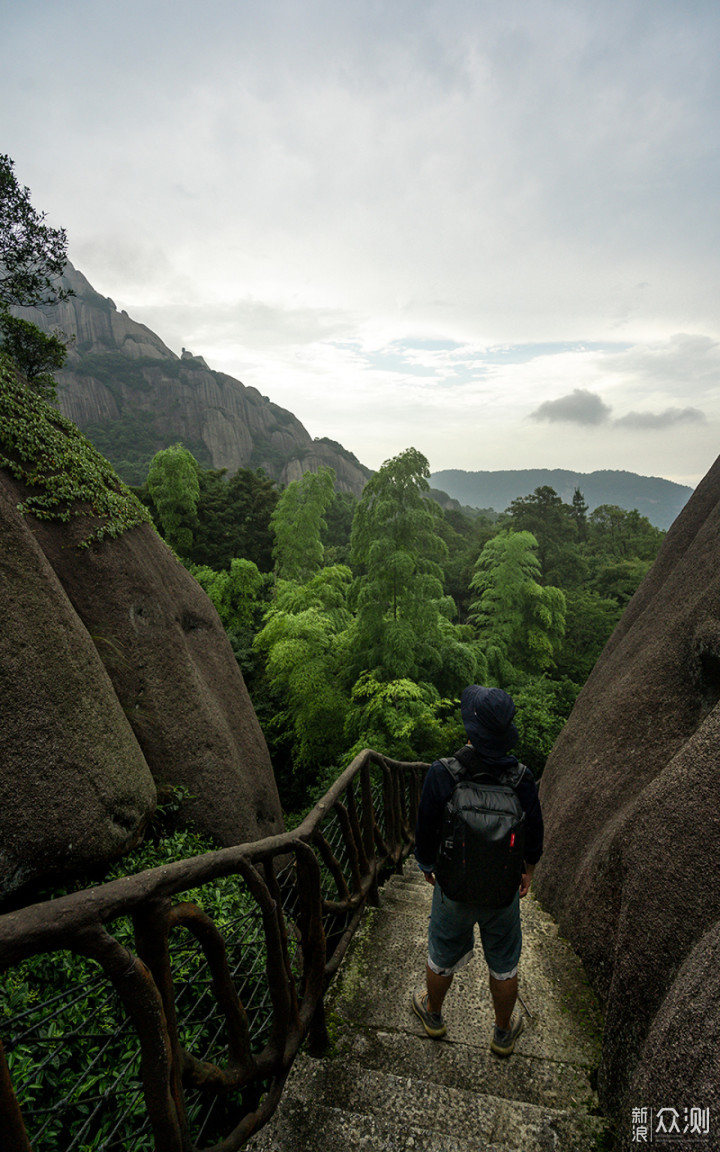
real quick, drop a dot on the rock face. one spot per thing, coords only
(117, 681)
(132, 396)
(75, 788)
(630, 796)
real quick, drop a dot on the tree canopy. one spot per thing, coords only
(173, 484)
(32, 255)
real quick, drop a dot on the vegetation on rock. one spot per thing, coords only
(66, 477)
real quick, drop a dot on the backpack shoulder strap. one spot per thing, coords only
(454, 767)
(514, 775)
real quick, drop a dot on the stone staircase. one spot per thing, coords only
(385, 1087)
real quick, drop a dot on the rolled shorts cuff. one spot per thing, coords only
(455, 967)
(504, 975)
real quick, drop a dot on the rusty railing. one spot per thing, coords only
(308, 888)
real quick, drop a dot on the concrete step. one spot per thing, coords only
(385, 1086)
(549, 1083)
(399, 1111)
(386, 963)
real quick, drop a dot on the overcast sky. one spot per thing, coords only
(489, 231)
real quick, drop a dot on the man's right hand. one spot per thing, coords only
(430, 877)
(526, 880)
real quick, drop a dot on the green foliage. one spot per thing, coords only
(237, 594)
(304, 642)
(233, 518)
(32, 255)
(129, 443)
(402, 719)
(543, 706)
(589, 621)
(520, 622)
(35, 354)
(555, 527)
(403, 629)
(623, 535)
(67, 476)
(618, 580)
(173, 484)
(298, 523)
(335, 537)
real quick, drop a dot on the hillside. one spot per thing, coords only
(660, 500)
(131, 396)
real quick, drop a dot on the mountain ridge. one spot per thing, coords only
(131, 396)
(658, 499)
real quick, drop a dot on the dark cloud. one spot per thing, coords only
(641, 421)
(580, 407)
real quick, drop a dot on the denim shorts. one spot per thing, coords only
(451, 936)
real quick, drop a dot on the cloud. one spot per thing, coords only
(652, 421)
(580, 407)
(682, 361)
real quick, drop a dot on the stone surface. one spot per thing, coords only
(630, 796)
(118, 679)
(385, 1086)
(75, 788)
(119, 369)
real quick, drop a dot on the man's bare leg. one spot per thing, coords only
(504, 996)
(437, 987)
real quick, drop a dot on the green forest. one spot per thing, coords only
(357, 622)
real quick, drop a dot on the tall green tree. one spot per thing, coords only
(298, 523)
(520, 622)
(233, 518)
(403, 628)
(174, 487)
(304, 643)
(556, 527)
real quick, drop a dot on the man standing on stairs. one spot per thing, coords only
(487, 714)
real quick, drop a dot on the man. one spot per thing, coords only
(487, 714)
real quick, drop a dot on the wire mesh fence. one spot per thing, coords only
(171, 1018)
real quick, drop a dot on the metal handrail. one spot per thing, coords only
(285, 871)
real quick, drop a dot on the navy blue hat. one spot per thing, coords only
(487, 714)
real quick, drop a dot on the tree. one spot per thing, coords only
(32, 255)
(400, 718)
(589, 622)
(580, 513)
(555, 527)
(233, 518)
(173, 484)
(403, 628)
(623, 534)
(303, 640)
(335, 537)
(520, 622)
(35, 353)
(236, 593)
(298, 523)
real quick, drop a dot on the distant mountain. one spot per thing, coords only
(660, 500)
(132, 396)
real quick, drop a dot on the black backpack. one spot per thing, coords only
(481, 855)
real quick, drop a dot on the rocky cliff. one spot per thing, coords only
(132, 396)
(630, 795)
(117, 680)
